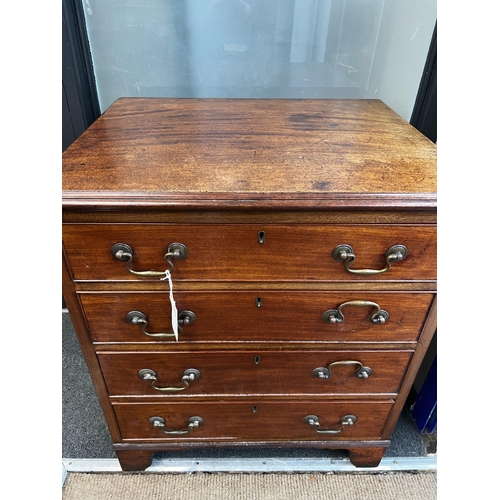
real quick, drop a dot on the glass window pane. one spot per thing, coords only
(260, 48)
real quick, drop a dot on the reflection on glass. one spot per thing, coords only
(246, 48)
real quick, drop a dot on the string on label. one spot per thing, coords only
(175, 319)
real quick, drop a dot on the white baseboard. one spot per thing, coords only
(428, 463)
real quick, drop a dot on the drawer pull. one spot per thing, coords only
(313, 421)
(125, 253)
(379, 317)
(325, 373)
(150, 375)
(139, 318)
(345, 253)
(192, 423)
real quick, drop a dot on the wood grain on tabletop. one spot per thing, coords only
(250, 146)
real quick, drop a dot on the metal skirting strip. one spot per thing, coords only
(64, 473)
(242, 465)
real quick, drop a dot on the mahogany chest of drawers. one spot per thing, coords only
(250, 272)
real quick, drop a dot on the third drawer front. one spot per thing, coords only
(258, 316)
(250, 251)
(212, 373)
(253, 420)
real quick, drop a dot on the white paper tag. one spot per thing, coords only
(175, 320)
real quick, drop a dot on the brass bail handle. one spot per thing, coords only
(361, 372)
(149, 375)
(379, 317)
(345, 253)
(139, 318)
(313, 421)
(125, 253)
(193, 423)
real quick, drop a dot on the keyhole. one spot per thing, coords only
(254, 409)
(258, 301)
(262, 237)
(257, 360)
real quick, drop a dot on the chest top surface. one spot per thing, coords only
(250, 152)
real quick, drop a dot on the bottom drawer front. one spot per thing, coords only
(253, 421)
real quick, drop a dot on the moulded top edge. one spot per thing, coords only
(305, 201)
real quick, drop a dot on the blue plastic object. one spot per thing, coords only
(424, 410)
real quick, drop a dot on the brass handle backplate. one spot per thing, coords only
(139, 318)
(125, 253)
(336, 316)
(149, 375)
(313, 421)
(325, 373)
(193, 422)
(345, 253)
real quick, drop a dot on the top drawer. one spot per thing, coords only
(251, 252)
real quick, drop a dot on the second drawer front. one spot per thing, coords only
(252, 421)
(257, 316)
(253, 372)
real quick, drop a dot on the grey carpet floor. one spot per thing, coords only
(203, 486)
(85, 434)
